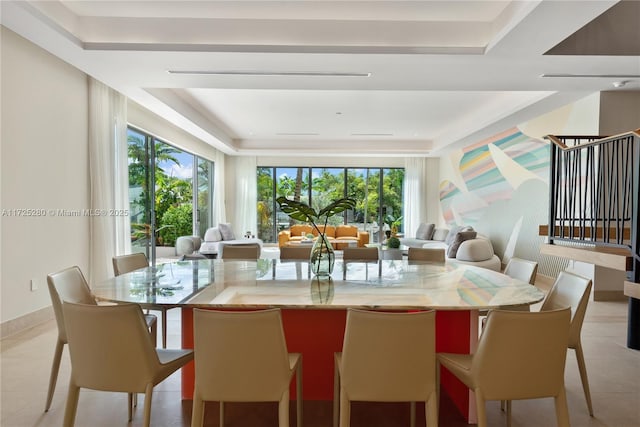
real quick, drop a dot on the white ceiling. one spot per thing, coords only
(295, 77)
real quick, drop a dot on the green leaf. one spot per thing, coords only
(338, 206)
(302, 212)
(297, 210)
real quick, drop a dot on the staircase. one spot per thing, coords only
(594, 189)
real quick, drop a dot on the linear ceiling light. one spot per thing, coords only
(605, 76)
(271, 73)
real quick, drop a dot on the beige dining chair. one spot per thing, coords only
(70, 285)
(111, 350)
(249, 251)
(522, 269)
(426, 254)
(386, 357)
(123, 264)
(360, 254)
(572, 290)
(520, 355)
(242, 357)
(295, 252)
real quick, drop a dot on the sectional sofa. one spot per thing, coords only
(462, 244)
(223, 234)
(340, 235)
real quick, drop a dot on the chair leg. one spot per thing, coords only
(583, 376)
(508, 413)
(130, 405)
(562, 410)
(154, 334)
(480, 408)
(197, 412)
(336, 394)
(412, 414)
(437, 386)
(345, 409)
(299, 394)
(431, 408)
(55, 368)
(72, 405)
(148, 396)
(283, 410)
(164, 328)
(221, 419)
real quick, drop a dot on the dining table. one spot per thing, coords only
(314, 308)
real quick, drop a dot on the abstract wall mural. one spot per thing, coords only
(492, 170)
(500, 185)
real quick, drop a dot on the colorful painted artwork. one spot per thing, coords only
(491, 171)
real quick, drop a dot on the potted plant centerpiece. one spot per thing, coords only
(393, 223)
(322, 255)
(393, 242)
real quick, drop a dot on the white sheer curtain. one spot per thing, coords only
(415, 194)
(108, 174)
(246, 217)
(218, 214)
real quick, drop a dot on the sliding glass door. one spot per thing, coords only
(166, 186)
(378, 192)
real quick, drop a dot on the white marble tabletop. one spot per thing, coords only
(397, 284)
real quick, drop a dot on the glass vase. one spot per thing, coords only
(322, 257)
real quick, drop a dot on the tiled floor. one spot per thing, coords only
(614, 374)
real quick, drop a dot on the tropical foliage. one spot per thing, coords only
(178, 221)
(302, 212)
(377, 192)
(172, 194)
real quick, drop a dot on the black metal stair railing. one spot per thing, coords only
(594, 188)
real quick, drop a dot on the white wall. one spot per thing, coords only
(44, 166)
(44, 158)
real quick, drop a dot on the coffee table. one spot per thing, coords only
(385, 252)
(309, 242)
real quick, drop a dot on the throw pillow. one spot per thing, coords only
(226, 231)
(431, 228)
(425, 231)
(212, 235)
(460, 237)
(452, 234)
(440, 234)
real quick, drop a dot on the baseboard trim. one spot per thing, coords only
(19, 324)
(609, 296)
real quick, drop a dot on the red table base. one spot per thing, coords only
(317, 334)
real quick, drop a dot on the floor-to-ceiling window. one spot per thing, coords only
(166, 186)
(319, 186)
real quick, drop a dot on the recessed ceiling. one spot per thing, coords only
(380, 78)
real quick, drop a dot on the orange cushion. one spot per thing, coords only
(298, 229)
(347, 231)
(331, 231)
